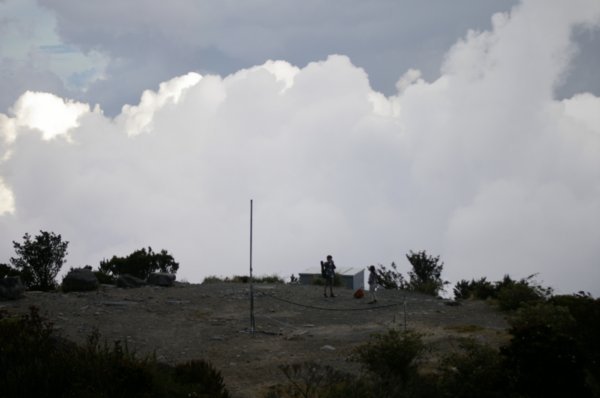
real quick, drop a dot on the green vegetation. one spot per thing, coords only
(244, 279)
(553, 352)
(34, 362)
(320, 281)
(7, 270)
(554, 348)
(508, 293)
(140, 264)
(425, 276)
(38, 261)
(390, 278)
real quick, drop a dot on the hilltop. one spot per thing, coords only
(293, 323)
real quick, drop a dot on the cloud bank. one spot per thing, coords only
(482, 166)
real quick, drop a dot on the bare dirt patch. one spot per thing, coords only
(293, 324)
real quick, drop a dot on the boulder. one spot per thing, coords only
(11, 288)
(128, 281)
(80, 280)
(161, 279)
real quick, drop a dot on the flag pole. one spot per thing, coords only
(252, 323)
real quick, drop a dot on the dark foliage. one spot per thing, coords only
(244, 279)
(390, 278)
(508, 293)
(544, 357)
(140, 264)
(480, 289)
(554, 352)
(7, 270)
(425, 276)
(39, 260)
(105, 278)
(513, 295)
(426, 273)
(476, 371)
(310, 379)
(34, 362)
(391, 360)
(320, 281)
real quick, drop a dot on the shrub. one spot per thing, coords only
(105, 278)
(586, 312)
(140, 264)
(7, 270)
(481, 289)
(203, 379)
(310, 379)
(390, 278)
(475, 371)
(426, 274)
(391, 360)
(34, 362)
(213, 279)
(40, 260)
(543, 357)
(320, 281)
(244, 279)
(513, 294)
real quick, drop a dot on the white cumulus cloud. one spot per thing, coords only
(482, 166)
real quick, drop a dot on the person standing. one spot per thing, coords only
(372, 284)
(328, 271)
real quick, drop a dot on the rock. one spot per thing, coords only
(80, 280)
(161, 279)
(128, 281)
(328, 348)
(11, 288)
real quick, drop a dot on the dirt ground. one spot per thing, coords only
(293, 324)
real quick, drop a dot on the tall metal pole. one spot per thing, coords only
(252, 324)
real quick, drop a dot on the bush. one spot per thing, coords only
(473, 372)
(510, 294)
(34, 362)
(391, 360)
(586, 312)
(202, 378)
(426, 274)
(543, 356)
(481, 289)
(7, 270)
(310, 379)
(140, 264)
(513, 294)
(40, 260)
(105, 278)
(390, 278)
(320, 281)
(244, 279)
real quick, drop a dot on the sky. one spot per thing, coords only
(364, 130)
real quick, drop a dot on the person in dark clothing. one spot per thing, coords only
(372, 284)
(329, 275)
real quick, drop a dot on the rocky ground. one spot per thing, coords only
(293, 323)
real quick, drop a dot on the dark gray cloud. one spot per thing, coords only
(149, 41)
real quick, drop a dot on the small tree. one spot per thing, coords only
(426, 275)
(390, 278)
(39, 260)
